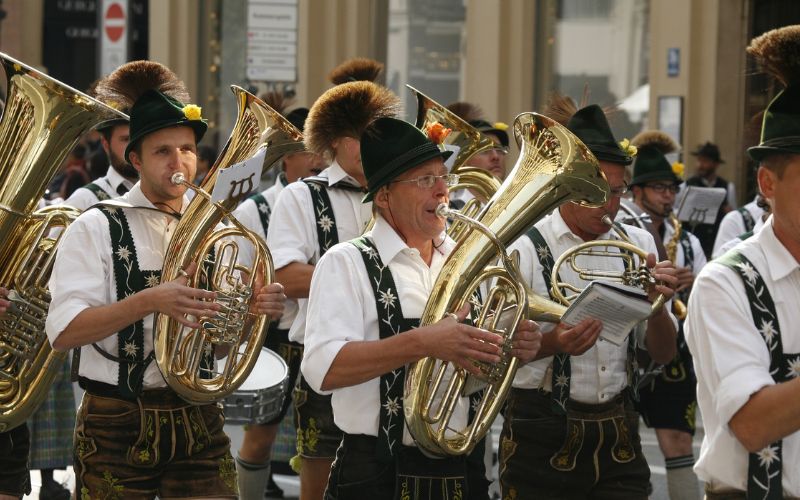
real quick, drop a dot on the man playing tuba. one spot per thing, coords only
(570, 423)
(134, 437)
(357, 349)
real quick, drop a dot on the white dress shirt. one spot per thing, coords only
(731, 358)
(83, 277)
(599, 374)
(292, 235)
(732, 226)
(248, 213)
(335, 319)
(83, 198)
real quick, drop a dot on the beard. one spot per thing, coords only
(124, 168)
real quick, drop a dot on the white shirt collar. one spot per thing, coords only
(336, 173)
(781, 262)
(389, 243)
(115, 179)
(562, 230)
(137, 198)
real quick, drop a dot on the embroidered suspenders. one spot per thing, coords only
(562, 371)
(764, 472)
(97, 191)
(327, 234)
(747, 218)
(129, 280)
(264, 210)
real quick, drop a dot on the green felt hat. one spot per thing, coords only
(154, 111)
(390, 147)
(650, 164)
(780, 130)
(591, 127)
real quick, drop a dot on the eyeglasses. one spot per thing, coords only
(660, 188)
(619, 191)
(428, 181)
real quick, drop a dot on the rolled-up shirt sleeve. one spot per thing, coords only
(80, 273)
(337, 310)
(730, 356)
(291, 236)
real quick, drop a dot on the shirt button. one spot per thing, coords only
(603, 396)
(602, 368)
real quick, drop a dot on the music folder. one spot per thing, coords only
(699, 205)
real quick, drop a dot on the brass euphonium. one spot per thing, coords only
(42, 120)
(554, 167)
(183, 354)
(634, 272)
(466, 141)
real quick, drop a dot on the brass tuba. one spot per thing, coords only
(554, 167)
(466, 141)
(185, 356)
(41, 122)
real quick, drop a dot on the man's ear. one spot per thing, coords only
(381, 198)
(766, 182)
(134, 159)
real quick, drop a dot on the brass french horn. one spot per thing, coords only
(554, 167)
(634, 273)
(185, 356)
(42, 121)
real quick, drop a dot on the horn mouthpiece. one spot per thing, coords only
(178, 178)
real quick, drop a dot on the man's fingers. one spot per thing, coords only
(462, 313)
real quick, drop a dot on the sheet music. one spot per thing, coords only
(240, 179)
(699, 205)
(620, 309)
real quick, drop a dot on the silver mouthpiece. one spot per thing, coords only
(178, 178)
(443, 210)
(607, 220)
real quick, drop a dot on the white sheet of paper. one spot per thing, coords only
(699, 205)
(618, 311)
(449, 162)
(239, 179)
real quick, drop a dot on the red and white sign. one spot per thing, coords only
(113, 35)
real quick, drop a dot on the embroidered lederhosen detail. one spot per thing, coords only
(747, 219)
(391, 322)
(764, 471)
(129, 280)
(97, 191)
(565, 458)
(264, 210)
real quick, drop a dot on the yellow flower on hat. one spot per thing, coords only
(628, 148)
(192, 112)
(500, 126)
(677, 169)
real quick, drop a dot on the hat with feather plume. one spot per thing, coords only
(153, 96)
(778, 53)
(346, 110)
(651, 163)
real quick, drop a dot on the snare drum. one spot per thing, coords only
(260, 397)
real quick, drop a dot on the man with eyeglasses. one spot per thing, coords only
(357, 349)
(668, 400)
(570, 423)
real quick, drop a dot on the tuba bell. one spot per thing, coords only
(185, 356)
(554, 167)
(465, 141)
(42, 120)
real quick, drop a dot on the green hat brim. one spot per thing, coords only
(612, 155)
(403, 163)
(198, 126)
(655, 176)
(758, 153)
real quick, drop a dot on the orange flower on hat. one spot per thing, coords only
(192, 112)
(437, 132)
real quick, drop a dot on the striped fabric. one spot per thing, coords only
(52, 425)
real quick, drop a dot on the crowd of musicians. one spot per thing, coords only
(358, 238)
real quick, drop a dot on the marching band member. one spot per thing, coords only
(311, 216)
(358, 348)
(570, 422)
(15, 478)
(746, 219)
(134, 437)
(743, 314)
(254, 213)
(668, 401)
